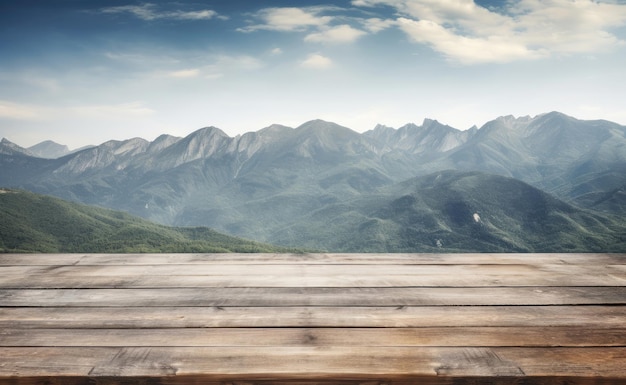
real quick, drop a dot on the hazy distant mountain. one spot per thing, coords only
(262, 185)
(431, 137)
(9, 148)
(49, 149)
(552, 151)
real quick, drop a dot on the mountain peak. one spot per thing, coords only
(9, 148)
(163, 141)
(508, 122)
(555, 114)
(49, 149)
(429, 122)
(325, 131)
(201, 143)
(127, 147)
(431, 137)
(553, 118)
(274, 129)
(319, 124)
(383, 127)
(208, 131)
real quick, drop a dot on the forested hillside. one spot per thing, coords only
(41, 224)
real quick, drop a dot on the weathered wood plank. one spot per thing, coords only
(560, 270)
(313, 380)
(157, 276)
(374, 337)
(401, 319)
(584, 317)
(42, 281)
(301, 296)
(330, 362)
(325, 259)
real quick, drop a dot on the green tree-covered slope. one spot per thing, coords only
(37, 223)
(452, 211)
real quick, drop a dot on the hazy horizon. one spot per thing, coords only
(150, 139)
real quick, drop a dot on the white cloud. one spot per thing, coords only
(565, 26)
(339, 34)
(289, 19)
(363, 3)
(375, 24)
(315, 21)
(276, 51)
(519, 30)
(205, 14)
(149, 12)
(144, 12)
(467, 50)
(317, 61)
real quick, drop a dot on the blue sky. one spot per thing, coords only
(85, 71)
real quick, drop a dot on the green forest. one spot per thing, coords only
(33, 223)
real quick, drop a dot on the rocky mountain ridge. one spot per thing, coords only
(260, 183)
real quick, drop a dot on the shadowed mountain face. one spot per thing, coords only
(457, 211)
(289, 185)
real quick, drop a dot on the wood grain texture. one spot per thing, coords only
(319, 361)
(305, 296)
(256, 275)
(374, 337)
(593, 259)
(313, 319)
(592, 316)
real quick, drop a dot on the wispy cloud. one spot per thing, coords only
(317, 61)
(150, 12)
(238, 62)
(145, 62)
(339, 34)
(467, 49)
(375, 24)
(16, 111)
(288, 19)
(32, 112)
(132, 109)
(214, 67)
(322, 24)
(186, 73)
(519, 30)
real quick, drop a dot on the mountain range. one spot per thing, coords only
(544, 183)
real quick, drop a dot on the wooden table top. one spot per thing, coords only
(313, 318)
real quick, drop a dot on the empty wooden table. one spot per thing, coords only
(313, 318)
